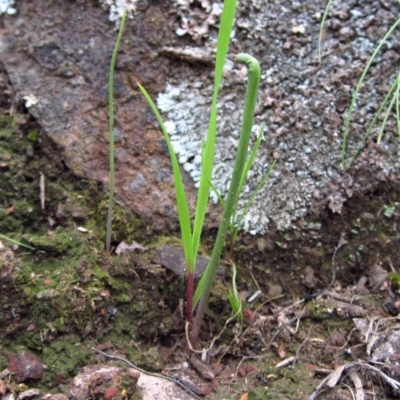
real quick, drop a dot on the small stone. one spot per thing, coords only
(207, 390)
(25, 367)
(57, 396)
(28, 394)
(299, 29)
(2, 388)
(249, 368)
(111, 393)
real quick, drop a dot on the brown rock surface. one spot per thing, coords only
(25, 367)
(60, 53)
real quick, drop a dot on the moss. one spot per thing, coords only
(57, 242)
(320, 311)
(259, 393)
(64, 358)
(395, 279)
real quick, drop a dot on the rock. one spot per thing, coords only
(110, 393)
(378, 278)
(65, 68)
(7, 264)
(29, 394)
(25, 367)
(99, 380)
(173, 258)
(59, 66)
(58, 396)
(388, 347)
(2, 388)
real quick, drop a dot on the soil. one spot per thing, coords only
(65, 296)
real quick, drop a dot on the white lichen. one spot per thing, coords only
(117, 8)
(6, 7)
(30, 100)
(191, 26)
(188, 113)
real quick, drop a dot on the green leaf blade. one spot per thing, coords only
(226, 25)
(181, 200)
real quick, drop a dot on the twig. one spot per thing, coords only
(180, 384)
(392, 382)
(342, 242)
(177, 343)
(253, 277)
(291, 306)
(213, 341)
(358, 385)
(283, 326)
(268, 301)
(42, 190)
(350, 390)
(302, 344)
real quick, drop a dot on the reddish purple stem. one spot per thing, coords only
(189, 297)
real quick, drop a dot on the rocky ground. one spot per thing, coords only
(77, 322)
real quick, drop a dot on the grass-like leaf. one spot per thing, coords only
(181, 200)
(226, 25)
(204, 288)
(356, 92)
(111, 131)
(321, 30)
(16, 242)
(372, 124)
(247, 166)
(388, 111)
(234, 299)
(397, 103)
(249, 202)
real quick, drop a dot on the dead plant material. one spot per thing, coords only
(341, 297)
(377, 277)
(341, 243)
(204, 370)
(42, 190)
(341, 309)
(122, 247)
(285, 362)
(352, 369)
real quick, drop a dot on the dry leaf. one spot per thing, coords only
(124, 247)
(281, 351)
(285, 363)
(42, 190)
(82, 229)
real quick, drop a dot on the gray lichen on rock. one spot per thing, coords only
(7, 7)
(302, 104)
(116, 8)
